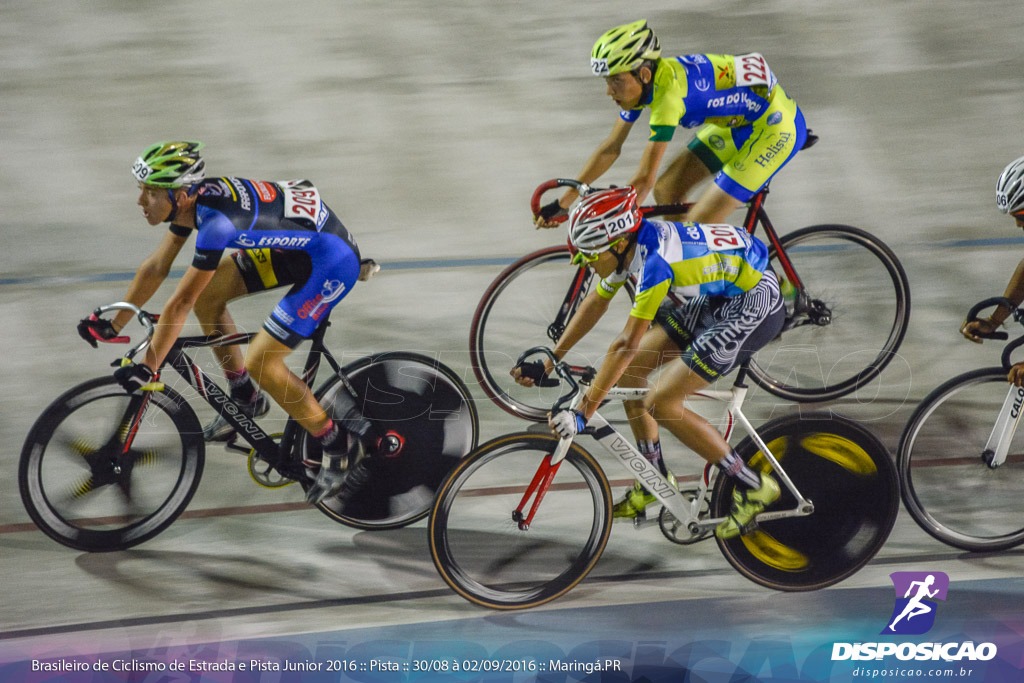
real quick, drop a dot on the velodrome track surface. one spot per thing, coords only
(427, 126)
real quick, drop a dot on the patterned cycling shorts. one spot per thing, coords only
(718, 333)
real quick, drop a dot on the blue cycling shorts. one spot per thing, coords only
(319, 279)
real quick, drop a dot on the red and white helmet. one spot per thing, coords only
(602, 218)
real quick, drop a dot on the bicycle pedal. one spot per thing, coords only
(232, 445)
(750, 527)
(642, 520)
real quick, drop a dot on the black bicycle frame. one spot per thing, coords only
(284, 458)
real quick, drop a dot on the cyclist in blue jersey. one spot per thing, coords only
(285, 236)
(711, 296)
(1009, 200)
(749, 128)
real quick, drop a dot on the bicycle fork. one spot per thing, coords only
(540, 484)
(998, 444)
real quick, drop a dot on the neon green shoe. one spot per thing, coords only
(636, 500)
(746, 504)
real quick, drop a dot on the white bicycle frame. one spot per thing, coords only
(998, 444)
(649, 475)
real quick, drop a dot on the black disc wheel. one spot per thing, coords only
(424, 423)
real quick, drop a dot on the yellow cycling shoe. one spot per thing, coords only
(746, 504)
(636, 500)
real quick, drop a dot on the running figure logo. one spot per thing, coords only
(916, 592)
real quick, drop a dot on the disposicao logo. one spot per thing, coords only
(914, 614)
(916, 593)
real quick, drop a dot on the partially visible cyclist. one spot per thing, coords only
(286, 236)
(1009, 200)
(713, 298)
(749, 127)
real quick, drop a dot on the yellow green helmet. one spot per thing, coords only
(624, 48)
(170, 164)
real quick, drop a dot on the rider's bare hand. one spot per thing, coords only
(972, 330)
(1016, 375)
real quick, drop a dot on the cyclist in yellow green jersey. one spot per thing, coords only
(749, 127)
(1009, 200)
(711, 295)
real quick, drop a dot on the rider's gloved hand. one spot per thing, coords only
(536, 372)
(549, 211)
(567, 423)
(134, 376)
(545, 217)
(94, 329)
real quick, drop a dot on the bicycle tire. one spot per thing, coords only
(862, 285)
(850, 478)
(428, 410)
(946, 485)
(510, 318)
(93, 498)
(480, 551)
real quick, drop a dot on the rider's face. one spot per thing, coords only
(156, 205)
(625, 89)
(605, 264)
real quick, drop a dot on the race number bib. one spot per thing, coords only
(752, 70)
(302, 201)
(722, 237)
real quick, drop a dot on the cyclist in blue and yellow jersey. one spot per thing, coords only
(713, 298)
(749, 127)
(286, 236)
(1009, 200)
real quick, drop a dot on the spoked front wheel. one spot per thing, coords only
(529, 304)
(948, 484)
(478, 543)
(850, 479)
(425, 422)
(102, 470)
(846, 323)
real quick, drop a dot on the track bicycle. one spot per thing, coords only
(526, 516)
(847, 311)
(103, 470)
(961, 456)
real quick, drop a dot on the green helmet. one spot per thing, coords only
(170, 164)
(624, 48)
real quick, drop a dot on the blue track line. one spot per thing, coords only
(47, 280)
(425, 264)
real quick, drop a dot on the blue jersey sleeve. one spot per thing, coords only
(216, 231)
(654, 283)
(630, 115)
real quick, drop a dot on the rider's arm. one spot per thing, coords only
(176, 310)
(150, 275)
(601, 160)
(620, 355)
(1014, 292)
(647, 172)
(591, 310)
